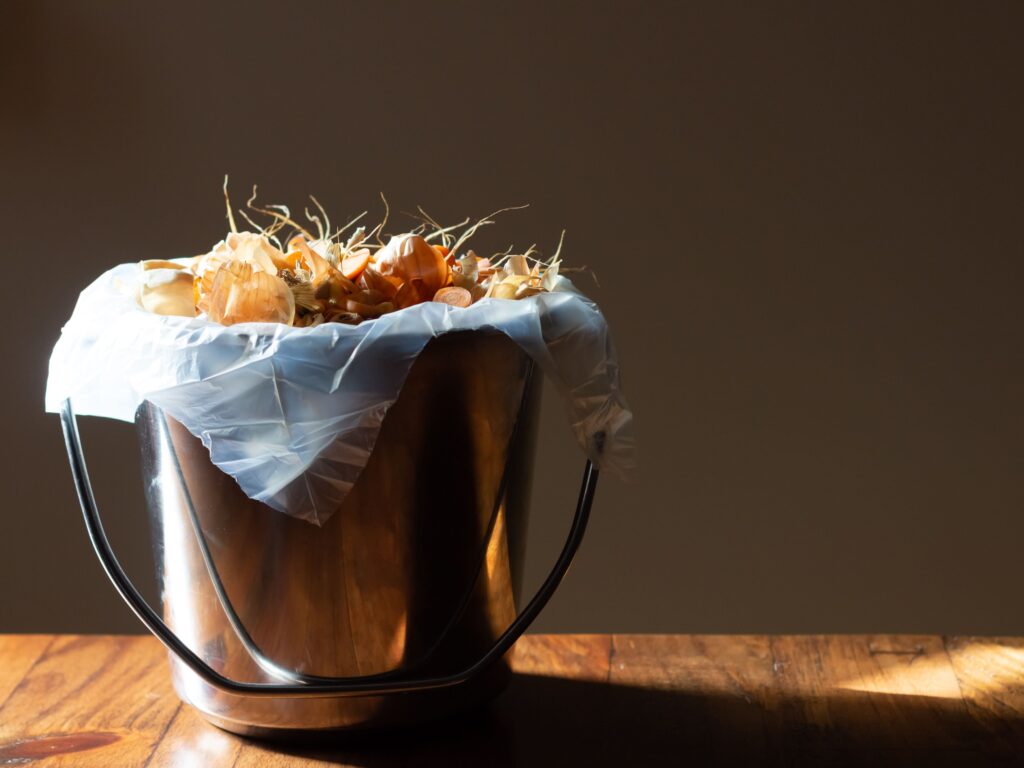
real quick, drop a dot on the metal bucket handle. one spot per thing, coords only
(335, 687)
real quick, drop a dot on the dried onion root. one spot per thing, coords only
(252, 277)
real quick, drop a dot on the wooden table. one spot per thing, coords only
(577, 700)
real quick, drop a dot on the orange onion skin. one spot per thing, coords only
(411, 258)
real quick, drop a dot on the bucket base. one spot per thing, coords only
(319, 719)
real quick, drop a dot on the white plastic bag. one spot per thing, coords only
(292, 413)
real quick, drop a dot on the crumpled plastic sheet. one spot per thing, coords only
(292, 413)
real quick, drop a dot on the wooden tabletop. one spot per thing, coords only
(576, 700)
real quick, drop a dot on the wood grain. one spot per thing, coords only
(990, 673)
(191, 741)
(577, 657)
(704, 694)
(17, 655)
(895, 697)
(89, 701)
(575, 700)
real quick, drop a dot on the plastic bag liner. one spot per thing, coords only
(292, 413)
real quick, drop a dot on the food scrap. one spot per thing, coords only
(347, 275)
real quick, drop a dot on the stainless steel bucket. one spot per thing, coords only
(401, 608)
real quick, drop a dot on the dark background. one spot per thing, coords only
(806, 220)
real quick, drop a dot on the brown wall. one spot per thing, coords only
(806, 221)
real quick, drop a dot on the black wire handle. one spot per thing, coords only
(341, 687)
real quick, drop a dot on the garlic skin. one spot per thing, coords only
(167, 291)
(410, 258)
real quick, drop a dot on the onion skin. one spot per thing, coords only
(149, 264)
(250, 277)
(504, 291)
(320, 269)
(412, 292)
(252, 248)
(353, 266)
(410, 258)
(167, 292)
(240, 294)
(242, 247)
(372, 280)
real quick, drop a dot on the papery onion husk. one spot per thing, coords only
(411, 293)
(411, 258)
(368, 310)
(352, 266)
(373, 280)
(518, 265)
(167, 292)
(503, 291)
(241, 294)
(243, 247)
(149, 264)
(327, 280)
